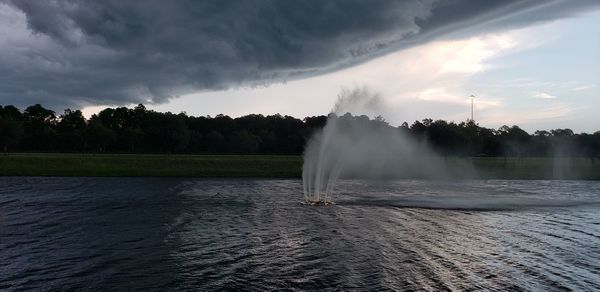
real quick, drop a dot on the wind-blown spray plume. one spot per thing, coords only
(359, 147)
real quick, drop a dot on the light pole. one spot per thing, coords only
(472, 98)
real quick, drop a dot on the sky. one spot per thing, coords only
(531, 63)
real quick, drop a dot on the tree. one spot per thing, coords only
(140, 130)
(269, 142)
(11, 133)
(11, 128)
(37, 115)
(196, 142)
(562, 132)
(514, 140)
(166, 132)
(39, 126)
(418, 129)
(563, 142)
(71, 129)
(243, 142)
(12, 112)
(215, 142)
(98, 137)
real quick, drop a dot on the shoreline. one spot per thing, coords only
(271, 166)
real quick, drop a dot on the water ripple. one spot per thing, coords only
(245, 234)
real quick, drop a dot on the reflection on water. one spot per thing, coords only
(201, 234)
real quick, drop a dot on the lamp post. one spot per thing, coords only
(472, 99)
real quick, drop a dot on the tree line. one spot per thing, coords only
(139, 130)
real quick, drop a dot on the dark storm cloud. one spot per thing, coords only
(139, 51)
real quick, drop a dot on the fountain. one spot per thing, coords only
(356, 146)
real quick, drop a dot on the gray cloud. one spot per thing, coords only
(74, 52)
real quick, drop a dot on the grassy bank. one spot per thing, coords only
(535, 168)
(150, 165)
(267, 166)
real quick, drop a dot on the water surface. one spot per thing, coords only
(215, 234)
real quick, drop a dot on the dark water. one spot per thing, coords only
(196, 234)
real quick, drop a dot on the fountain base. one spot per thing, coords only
(319, 203)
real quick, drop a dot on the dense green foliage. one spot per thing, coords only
(139, 130)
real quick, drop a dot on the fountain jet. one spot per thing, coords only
(356, 146)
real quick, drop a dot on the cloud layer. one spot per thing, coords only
(72, 53)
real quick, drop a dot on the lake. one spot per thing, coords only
(256, 234)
